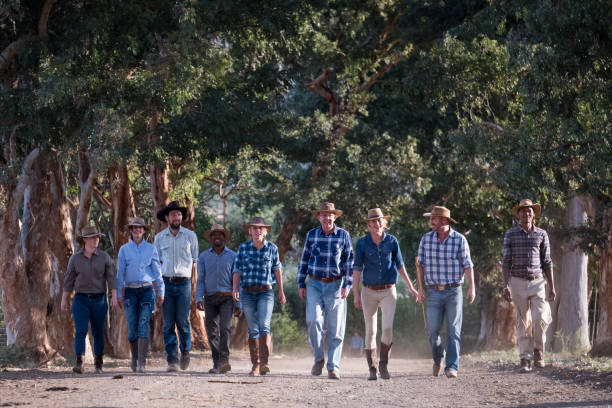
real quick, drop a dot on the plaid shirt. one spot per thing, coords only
(257, 267)
(444, 262)
(526, 253)
(327, 256)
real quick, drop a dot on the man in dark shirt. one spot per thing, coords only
(526, 262)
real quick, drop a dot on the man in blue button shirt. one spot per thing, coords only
(327, 260)
(214, 295)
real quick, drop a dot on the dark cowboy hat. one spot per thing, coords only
(88, 232)
(137, 222)
(527, 203)
(256, 222)
(374, 214)
(174, 205)
(219, 228)
(439, 211)
(327, 208)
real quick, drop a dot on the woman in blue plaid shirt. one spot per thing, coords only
(256, 269)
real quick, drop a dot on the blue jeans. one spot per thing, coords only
(87, 310)
(257, 308)
(440, 303)
(139, 303)
(325, 307)
(175, 311)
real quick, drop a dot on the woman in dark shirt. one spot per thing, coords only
(89, 272)
(378, 259)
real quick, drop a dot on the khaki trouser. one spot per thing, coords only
(532, 314)
(370, 301)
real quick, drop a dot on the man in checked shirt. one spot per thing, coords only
(327, 260)
(526, 257)
(444, 258)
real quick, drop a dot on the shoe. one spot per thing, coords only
(317, 368)
(333, 375)
(172, 368)
(78, 366)
(437, 369)
(98, 364)
(450, 373)
(184, 364)
(224, 368)
(538, 359)
(525, 365)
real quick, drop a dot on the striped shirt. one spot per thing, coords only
(177, 253)
(327, 256)
(256, 267)
(444, 262)
(526, 253)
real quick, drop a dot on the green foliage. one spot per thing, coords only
(287, 333)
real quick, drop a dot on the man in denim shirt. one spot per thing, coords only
(444, 258)
(327, 260)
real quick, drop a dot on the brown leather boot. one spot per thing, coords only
(371, 359)
(134, 350)
(78, 365)
(143, 349)
(538, 358)
(98, 364)
(385, 353)
(525, 365)
(254, 351)
(264, 353)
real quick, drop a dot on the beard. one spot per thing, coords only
(175, 225)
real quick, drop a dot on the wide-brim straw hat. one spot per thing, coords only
(174, 205)
(256, 222)
(439, 211)
(527, 203)
(375, 214)
(89, 232)
(326, 208)
(218, 228)
(137, 222)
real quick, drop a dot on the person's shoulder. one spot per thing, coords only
(188, 232)
(271, 245)
(458, 235)
(540, 230)
(229, 251)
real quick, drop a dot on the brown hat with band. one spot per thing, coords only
(137, 222)
(439, 211)
(89, 232)
(217, 228)
(527, 203)
(327, 208)
(173, 206)
(256, 222)
(375, 214)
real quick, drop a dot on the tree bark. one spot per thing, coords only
(603, 338)
(86, 186)
(497, 323)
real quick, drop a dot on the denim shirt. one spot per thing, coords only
(378, 263)
(138, 264)
(214, 272)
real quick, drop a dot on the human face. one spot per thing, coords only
(218, 239)
(377, 226)
(174, 219)
(257, 233)
(327, 221)
(438, 223)
(91, 243)
(137, 234)
(526, 216)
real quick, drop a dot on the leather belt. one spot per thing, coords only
(223, 293)
(138, 285)
(444, 287)
(529, 277)
(176, 279)
(256, 288)
(326, 280)
(380, 287)
(91, 295)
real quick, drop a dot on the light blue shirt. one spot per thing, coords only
(138, 264)
(214, 272)
(177, 253)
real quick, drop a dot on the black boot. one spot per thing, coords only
(134, 350)
(78, 366)
(371, 358)
(98, 364)
(143, 348)
(385, 352)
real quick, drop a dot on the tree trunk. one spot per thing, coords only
(34, 257)
(497, 323)
(603, 338)
(290, 224)
(86, 185)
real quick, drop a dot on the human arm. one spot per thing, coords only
(199, 294)
(303, 267)
(547, 267)
(469, 276)
(402, 272)
(506, 264)
(121, 267)
(505, 289)
(236, 287)
(356, 295)
(548, 274)
(279, 281)
(346, 265)
(157, 276)
(64, 304)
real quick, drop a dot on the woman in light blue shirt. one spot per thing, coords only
(137, 268)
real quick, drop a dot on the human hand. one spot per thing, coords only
(120, 302)
(160, 301)
(344, 293)
(471, 294)
(302, 293)
(281, 298)
(236, 295)
(552, 295)
(357, 300)
(507, 295)
(200, 305)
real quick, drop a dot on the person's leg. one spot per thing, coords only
(183, 304)
(434, 314)
(369, 305)
(226, 309)
(169, 318)
(454, 319)
(80, 317)
(130, 303)
(265, 305)
(211, 322)
(540, 310)
(99, 309)
(315, 320)
(335, 316)
(520, 299)
(387, 305)
(249, 308)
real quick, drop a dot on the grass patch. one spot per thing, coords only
(12, 356)
(564, 359)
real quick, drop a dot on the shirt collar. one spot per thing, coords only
(334, 231)
(212, 251)
(372, 241)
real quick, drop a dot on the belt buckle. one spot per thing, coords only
(441, 287)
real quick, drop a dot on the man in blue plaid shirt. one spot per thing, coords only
(327, 260)
(444, 258)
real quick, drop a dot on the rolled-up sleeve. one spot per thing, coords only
(157, 273)
(201, 278)
(399, 260)
(545, 258)
(359, 256)
(464, 254)
(507, 252)
(120, 272)
(70, 275)
(346, 262)
(109, 273)
(276, 264)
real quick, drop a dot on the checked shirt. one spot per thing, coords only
(327, 256)
(444, 262)
(526, 254)
(257, 267)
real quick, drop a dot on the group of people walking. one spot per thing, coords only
(328, 270)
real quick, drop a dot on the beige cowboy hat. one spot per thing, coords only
(374, 214)
(256, 222)
(527, 203)
(219, 228)
(326, 208)
(137, 222)
(174, 205)
(88, 232)
(439, 211)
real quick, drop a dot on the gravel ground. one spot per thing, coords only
(480, 383)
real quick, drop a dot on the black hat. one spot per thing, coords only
(174, 205)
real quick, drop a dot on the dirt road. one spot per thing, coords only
(290, 384)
